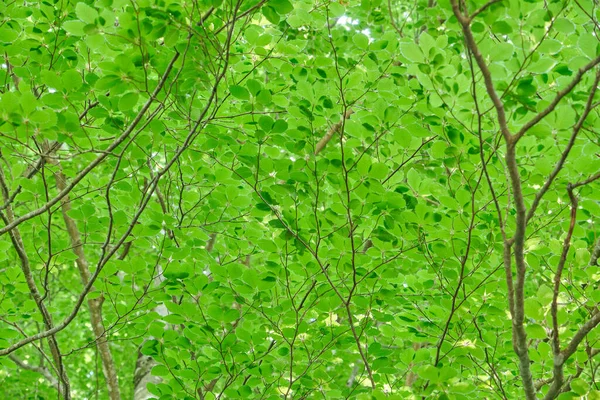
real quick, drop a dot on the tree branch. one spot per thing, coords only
(17, 242)
(94, 305)
(595, 254)
(482, 9)
(559, 165)
(579, 336)
(558, 371)
(332, 131)
(559, 96)
(79, 177)
(518, 312)
(485, 71)
(40, 370)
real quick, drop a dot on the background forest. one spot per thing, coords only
(277, 199)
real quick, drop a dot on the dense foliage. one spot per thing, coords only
(299, 199)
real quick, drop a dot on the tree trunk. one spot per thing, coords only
(94, 305)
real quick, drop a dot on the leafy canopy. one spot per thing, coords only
(299, 199)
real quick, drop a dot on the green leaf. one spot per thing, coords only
(239, 92)
(71, 80)
(579, 386)
(250, 277)
(455, 136)
(86, 13)
(414, 179)
(8, 34)
(171, 37)
(44, 118)
(279, 126)
(378, 171)
(390, 114)
(501, 28)
(270, 14)
(74, 27)
(429, 372)
(361, 40)
(403, 137)
(266, 123)
(526, 88)
(299, 176)
(264, 97)
(412, 52)
(588, 44)
(128, 101)
(426, 43)
(254, 86)
(160, 370)
(536, 331)
(543, 65)
(336, 9)
(502, 52)
(534, 309)
(563, 25)
(281, 6)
